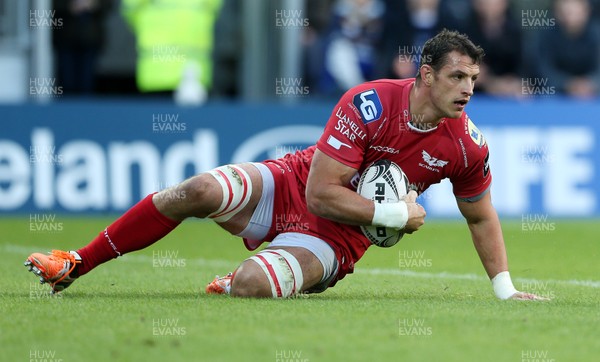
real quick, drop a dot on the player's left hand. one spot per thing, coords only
(416, 213)
(527, 296)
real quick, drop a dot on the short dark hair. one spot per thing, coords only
(436, 49)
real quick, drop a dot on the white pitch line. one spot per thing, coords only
(129, 258)
(454, 276)
(219, 263)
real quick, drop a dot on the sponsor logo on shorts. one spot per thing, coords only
(369, 105)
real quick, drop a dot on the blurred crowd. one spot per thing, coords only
(545, 46)
(529, 43)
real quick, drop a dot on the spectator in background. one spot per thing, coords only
(456, 14)
(568, 54)
(596, 10)
(494, 29)
(226, 52)
(408, 25)
(350, 56)
(79, 42)
(314, 41)
(519, 6)
(174, 43)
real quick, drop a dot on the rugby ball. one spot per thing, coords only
(383, 181)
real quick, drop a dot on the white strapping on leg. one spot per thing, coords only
(237, 190)
(283, 271)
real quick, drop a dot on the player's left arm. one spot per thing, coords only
(486, 233)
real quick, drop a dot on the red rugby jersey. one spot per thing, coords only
(372, 122)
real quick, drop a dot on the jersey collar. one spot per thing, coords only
(413, 128)
(406, 111)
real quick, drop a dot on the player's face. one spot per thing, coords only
(453, 84)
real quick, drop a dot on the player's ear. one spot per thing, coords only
(426, 74)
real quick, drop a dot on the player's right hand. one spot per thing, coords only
(527, 296)
(416, 213)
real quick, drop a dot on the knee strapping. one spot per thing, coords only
(283, 272)
(237, 190)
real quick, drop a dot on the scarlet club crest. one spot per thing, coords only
(432, 163)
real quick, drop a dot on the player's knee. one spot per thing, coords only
(199, 188)
(250, 282)
(197, 196)
(271, 273)
(202, 194)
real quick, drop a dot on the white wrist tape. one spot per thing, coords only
(503, 286)
(392, 215)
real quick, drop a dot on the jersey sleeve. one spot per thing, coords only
(474, 181)
(345, 136)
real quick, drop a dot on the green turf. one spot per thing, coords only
(150, 306)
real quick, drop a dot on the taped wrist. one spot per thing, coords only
(503, 286)
(392, 215)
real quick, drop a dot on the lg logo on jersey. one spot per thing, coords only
(369, 105)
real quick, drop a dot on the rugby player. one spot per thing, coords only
(418, 123)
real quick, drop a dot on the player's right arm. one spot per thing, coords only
(328, 197)
(340, 153)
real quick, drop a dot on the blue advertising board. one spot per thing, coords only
(103, 156)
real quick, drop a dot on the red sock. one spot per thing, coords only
(140, 227)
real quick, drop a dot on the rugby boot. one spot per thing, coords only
(55, 268)
(220, 285)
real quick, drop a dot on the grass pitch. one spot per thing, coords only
(426, 299)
